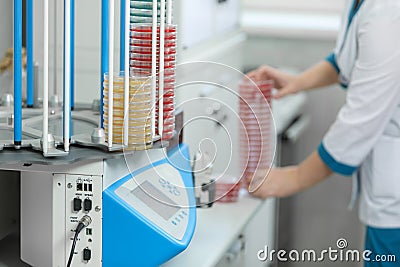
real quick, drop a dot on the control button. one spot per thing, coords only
(87, 254)
(176, 192)
(177, 219)
(87, 204)
(77, 203)
(174, 223)
(184, 212)
(181, 216)
(162, 182)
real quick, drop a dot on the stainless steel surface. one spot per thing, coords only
(7, 100)
(54, 101)
(50, 141)
(84, 133)
(96, 105)
(10, 157)
(36, 102)
(98, 136)
(10, 120)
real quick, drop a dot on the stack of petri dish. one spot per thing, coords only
(142, 11)
(141, 65)
(227, 188)
(139, 128)
(255, 139)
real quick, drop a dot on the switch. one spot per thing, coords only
(77, 203)
(87, 205)
(87, 254)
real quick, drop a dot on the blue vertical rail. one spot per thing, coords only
(122, 37)
(105, 20)
(17, 72)
(67, 105)
(29, 54)
(72, 82)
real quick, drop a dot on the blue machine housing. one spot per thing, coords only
(129, 239)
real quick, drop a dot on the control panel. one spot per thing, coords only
(159, 195)
(84, 197)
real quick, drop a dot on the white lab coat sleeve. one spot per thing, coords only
(373, 94)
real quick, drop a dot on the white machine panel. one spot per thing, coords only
(88, 191)
(162, 190)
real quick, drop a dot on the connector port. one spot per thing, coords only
(79, 187)
(87, 205)
(87, 254)
(88, 231)
(77, 204)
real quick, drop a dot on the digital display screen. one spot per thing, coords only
(156, 200)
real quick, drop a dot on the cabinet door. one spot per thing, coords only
(234, 257)
(259, 234)
(9, 201)
(196, 22)
(226, 16)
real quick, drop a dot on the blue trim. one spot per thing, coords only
(344, 86)
(332, 59)
(105, 19)
(72, 71)
(122, 37)
(354, 11)
(29, 53)
(67, 105)
(382, 241)
(334, 165)
(126, 230)
(17, 72)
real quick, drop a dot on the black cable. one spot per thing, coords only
(71, 254)
(84, 222)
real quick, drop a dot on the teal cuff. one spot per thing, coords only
(332, 59)
(335, 166)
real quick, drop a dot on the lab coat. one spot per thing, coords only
(364, 141)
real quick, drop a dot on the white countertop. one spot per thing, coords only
(218, 227)
(289, 24)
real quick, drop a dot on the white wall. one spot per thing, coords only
(6, 33)
(6, 22)
(295, 5)
(87, 46)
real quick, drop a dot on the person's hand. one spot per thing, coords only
(279, 182)
(284, 82)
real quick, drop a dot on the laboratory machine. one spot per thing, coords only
(109, 184)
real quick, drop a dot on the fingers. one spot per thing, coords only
(287, 90)
(257, 181)
(261, 73)
(255, 75)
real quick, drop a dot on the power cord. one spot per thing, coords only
(84, 222)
